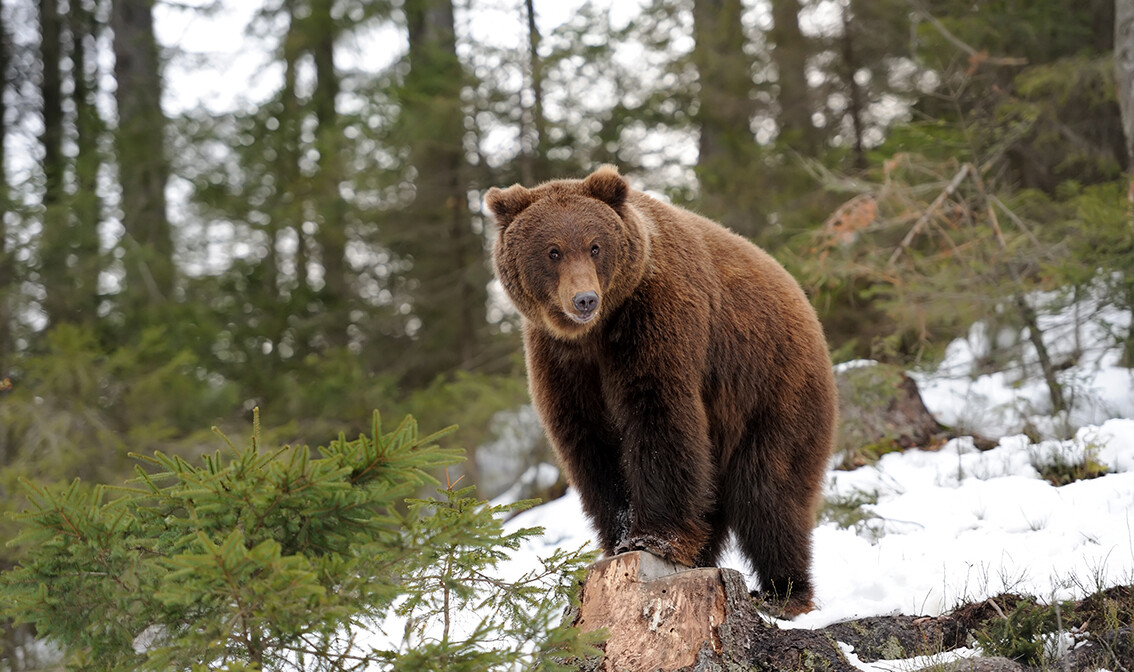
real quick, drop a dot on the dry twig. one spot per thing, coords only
(949, 190)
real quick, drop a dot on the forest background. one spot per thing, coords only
(316, 247)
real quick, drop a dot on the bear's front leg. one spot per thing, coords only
(652, 371)
(667, 464)
(567, 395)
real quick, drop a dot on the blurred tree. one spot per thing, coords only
(533, 160)
(1124, 77)
(761, 117)
(1032, 84)
(286, 211)
(1016, 144)
(868, 77)
(329, 207)
(623, 94)
(264, 321)
(1023, 92)
(855, 98)
(727, 151)
(84, 264)
(1030, 91)
(54, 239)
(263, 310)
(790, 54)
(448, 268)
(68, 245)
(7, 283)
(143, 168)
(1124, 89)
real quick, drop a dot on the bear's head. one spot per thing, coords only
(568, 251)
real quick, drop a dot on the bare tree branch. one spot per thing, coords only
(933, 207)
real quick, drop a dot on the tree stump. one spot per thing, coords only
(880, 410)
(661, 616)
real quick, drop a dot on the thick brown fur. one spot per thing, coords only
(679, 371)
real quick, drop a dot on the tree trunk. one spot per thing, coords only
(856, 105)
(726, 150)
(294, 185)
(287, 212)
(790, 56)
(1124, 76)
(143, 169)
(86, 204)
(332, 236)
(1035, 336)
(7, 283)
(55, 237)
(534, 158)
(446, 253)
(1124, 89)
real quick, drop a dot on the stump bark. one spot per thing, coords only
(662, 616)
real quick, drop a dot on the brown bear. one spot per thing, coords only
(680, 373)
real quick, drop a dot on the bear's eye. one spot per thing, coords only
(553, 254)
(594, 250)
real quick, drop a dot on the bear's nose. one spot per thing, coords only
(585, 302)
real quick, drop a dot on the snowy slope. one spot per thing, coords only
(959, 524)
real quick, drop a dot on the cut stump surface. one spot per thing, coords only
(659, 614)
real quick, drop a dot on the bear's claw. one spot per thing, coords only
(651, 544)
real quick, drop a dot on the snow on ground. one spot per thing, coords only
(958, 524)
(1008, 401)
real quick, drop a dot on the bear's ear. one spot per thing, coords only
(505, 204)
(607, 185)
